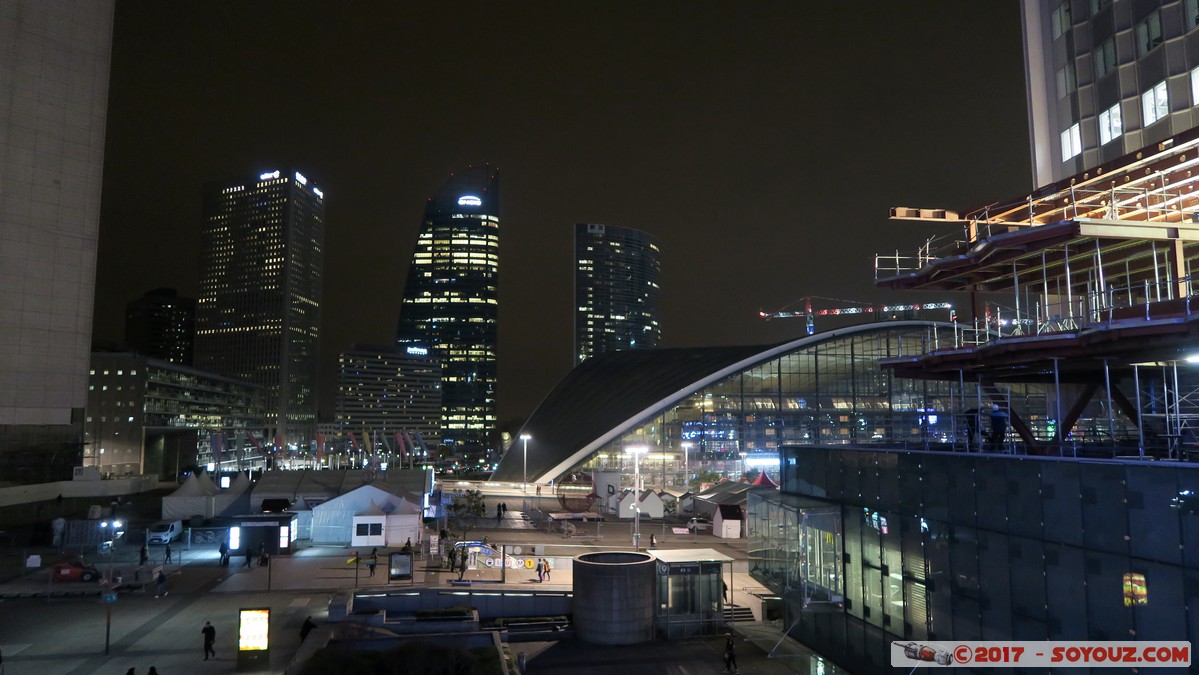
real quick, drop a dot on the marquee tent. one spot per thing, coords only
(334, 522)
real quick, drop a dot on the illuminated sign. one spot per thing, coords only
(469, 200)
(418, 351)
(253, 632)
(268, 176)
(318, 192)
(300, 177)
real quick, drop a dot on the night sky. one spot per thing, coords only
(761, 142)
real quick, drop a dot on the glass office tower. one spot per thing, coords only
(451, 303)
(617, 293)
(259, 311)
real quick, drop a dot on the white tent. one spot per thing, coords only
(649, 502)
(333, 521)
(404, 524)
(235, 500)
(190, 499)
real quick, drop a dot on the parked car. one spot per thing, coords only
(73, 570)
(699, 524)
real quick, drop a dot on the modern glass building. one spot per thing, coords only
(162, 325)
(259, 310)
(618, 297)
(451, 305)
(866, 547)
(1106, 78)
(728, 409)
(384, 391)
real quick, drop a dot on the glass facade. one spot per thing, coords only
(960, 547)
(451, 305)
(828, 390)
(618, 298)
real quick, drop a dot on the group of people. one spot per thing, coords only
(543, 569)
(995, 436)
(500, 510)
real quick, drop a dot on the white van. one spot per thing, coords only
(165, 531)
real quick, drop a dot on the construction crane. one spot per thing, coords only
(810, 313)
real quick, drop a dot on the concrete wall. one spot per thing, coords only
(100, 489)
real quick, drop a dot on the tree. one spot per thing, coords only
(704, 476)
(466, 510)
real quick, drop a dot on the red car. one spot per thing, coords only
(73, 570)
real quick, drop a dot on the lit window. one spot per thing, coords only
(1155, 104)
(1061, 19)
(1149, 33)
(1105, 57)
(1110, 125)
(1071, 142)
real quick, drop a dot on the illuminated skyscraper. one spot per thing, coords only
(451, 303)
(617, 296)
(259, 312)
(53, 104)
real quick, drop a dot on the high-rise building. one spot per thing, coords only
(617, 294)
(1106, 78)
(451, 303)
(258, 315)
(162, 325)
(53, 103)
(384, 390)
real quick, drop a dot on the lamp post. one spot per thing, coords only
(524, 485)
(636, 451)
(104, 528)
(686, 456)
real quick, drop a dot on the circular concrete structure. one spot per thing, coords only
(615, 594)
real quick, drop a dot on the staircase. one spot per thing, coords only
(734, 613)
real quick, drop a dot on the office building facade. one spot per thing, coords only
(148, 416)
(53, 102)
(450, 306)
(1106, 78)
(259, 310)
(162, 325)
(382, 391)
(618, 297)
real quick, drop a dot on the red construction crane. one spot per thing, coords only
(810, 313)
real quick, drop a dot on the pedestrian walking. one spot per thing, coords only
(724, 590)
(499, 513)
(143, 556)
(153, 671)
(224, 551)
(306, 628)
(453, 554)
(546, 561)
(249, 558)
(167, 559)
(540, 571)
(374, 560)
(653, 541)
(462, 566)
(209, 639)
(162, 584)
(730, 654)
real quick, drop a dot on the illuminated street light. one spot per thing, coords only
(524, 486)
(636, 451)
(686, 456)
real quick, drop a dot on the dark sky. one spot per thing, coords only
(761, 142)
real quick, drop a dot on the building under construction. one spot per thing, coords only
(1084, 286)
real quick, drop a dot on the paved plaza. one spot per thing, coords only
(60, 627)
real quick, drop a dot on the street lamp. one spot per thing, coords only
(686, 456)
(636, 451)
(110, 593)
(524, 486)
